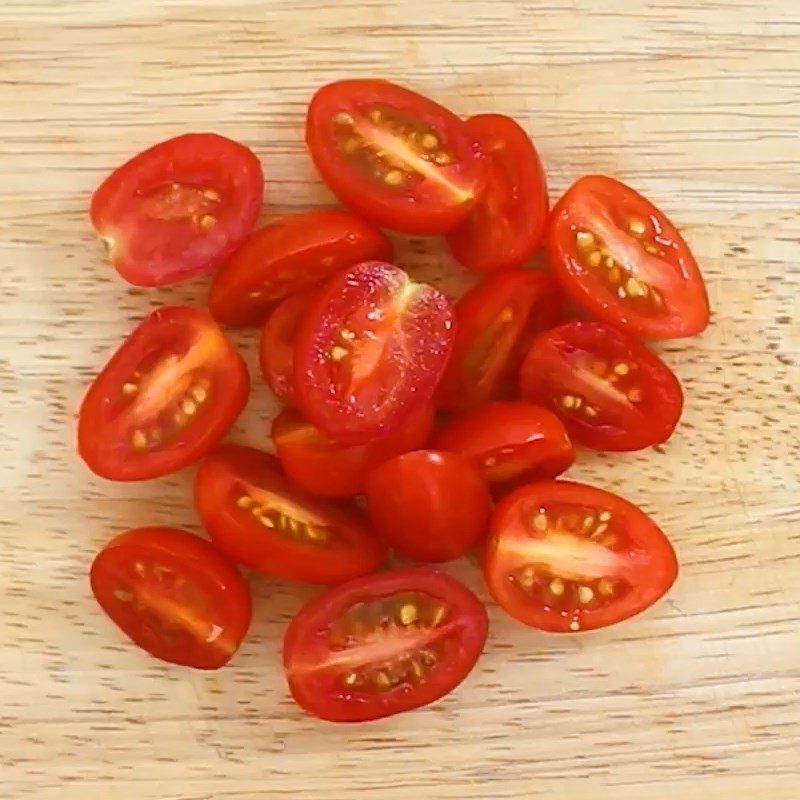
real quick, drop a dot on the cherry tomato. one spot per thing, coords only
(429, 505)
(370, 352)
(179, 208)
(496, 322)
(395, 157)
(383, 644)
(611, 392)
(288, 256)
(330, 469)
(620, 257)
(257, 518)
(166, 397)
(567, 557)
(173, 595)
(507, 224)
(510, 441)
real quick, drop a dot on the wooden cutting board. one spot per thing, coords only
(694, 102)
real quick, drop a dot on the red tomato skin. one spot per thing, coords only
(195, 159)
(506, 226)
(96, 418)
(429, 505)
(304, 640)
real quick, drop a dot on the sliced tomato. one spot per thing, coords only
(566, 557)
(611, 392)
(173, 595)
(394, 156)
(506, 226)
(166, 397)
(510, 441)
(429, 505)
(370, 352)
(622, 259)
(383, 644)
(496, 322)
(257, 518)
(328, 468)
(288, 256)
(178, 209)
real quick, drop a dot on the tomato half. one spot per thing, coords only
(288, 256)
(510, 441)
(429, 505)
(622, 259)
(173, 595)
(167, 396)
(179, 208)
(330, 469)
(507, 224)
(394, 156)
(370, 352)
(611, 392)
(566, 557)
(256, 517)
(496, 321)
(383, 644)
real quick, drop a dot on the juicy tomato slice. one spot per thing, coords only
(510, 441)
(611, 392)
(328, 468)
(166, 397)
(566, 557)
(370, 352)
(395, 157)
(506, 226)
(288, 256)
(174, 595)
(622, 259)
(256, 517)
(429, 505)
(496, 320)
(383, 644)
(179, 208)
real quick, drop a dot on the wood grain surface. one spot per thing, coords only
(694, 102)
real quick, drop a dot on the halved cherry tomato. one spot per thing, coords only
(259, 519)
(383, 644)
(167, 396)
(510, 441)
(179, 208)
(330, 469)
(507, 224)
(174, 595)
(611, 392)
(622, 259)
(371, 350)
(394, 156)
(288, 256)
(429, 505)
(496, 322)
(566, 557)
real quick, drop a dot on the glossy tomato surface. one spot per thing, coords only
(394, 156)
(611, 392)
(170, 392)
(178, 209)
(567, 557)
(288, 256)
(370, 352)
(506, 226)
(173, 595)
(259, 519)
(622, 259)
(383, 644)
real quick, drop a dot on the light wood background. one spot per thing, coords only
(694, 102)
